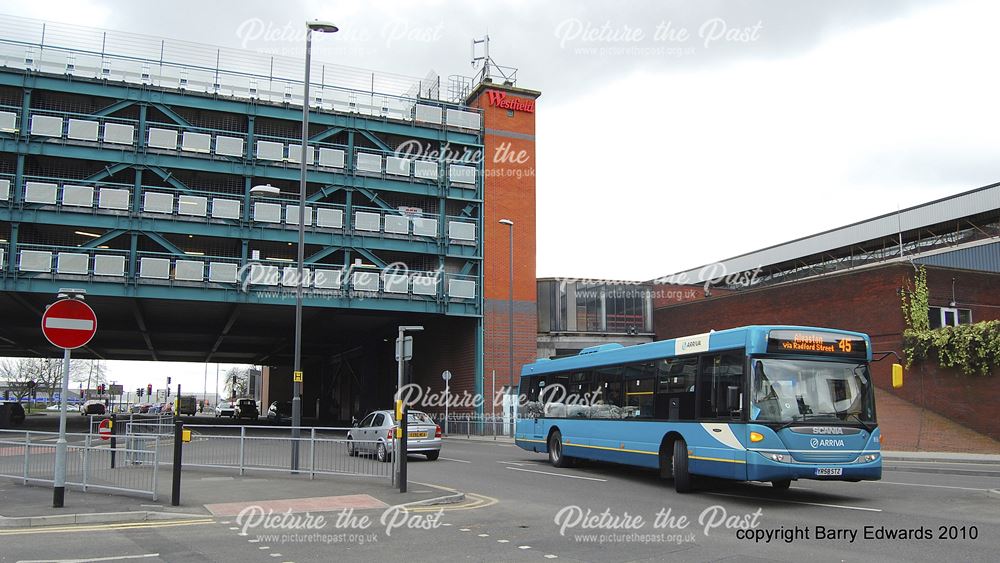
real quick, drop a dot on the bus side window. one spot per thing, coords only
(640, 379)
(675, 398)
(608, 399)
(718, 373)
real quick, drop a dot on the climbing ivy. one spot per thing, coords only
(973, 348)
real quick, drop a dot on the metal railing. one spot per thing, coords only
(91, 463)
(322, 451)
(135, 423)
(472, 425)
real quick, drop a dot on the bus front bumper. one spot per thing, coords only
(760, 468)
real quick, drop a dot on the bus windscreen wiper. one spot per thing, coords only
(858, 418)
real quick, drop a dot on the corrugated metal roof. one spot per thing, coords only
(965, 204)
(983, 258)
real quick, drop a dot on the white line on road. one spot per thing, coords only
(800, 502)
(558, 474)
(115, 558)
(512, 463)
(934, 486)
(458, 460)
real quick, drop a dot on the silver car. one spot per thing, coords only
(374, 434)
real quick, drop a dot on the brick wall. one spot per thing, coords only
(866, 301)
(509, 186)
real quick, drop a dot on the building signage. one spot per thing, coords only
(501, 100)
(691, 344)
(815, 342)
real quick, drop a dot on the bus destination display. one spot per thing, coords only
(812, 342)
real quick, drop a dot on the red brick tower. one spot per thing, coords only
(509, 193)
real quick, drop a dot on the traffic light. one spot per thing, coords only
(149, 389)
(138, 392)
(168, 391)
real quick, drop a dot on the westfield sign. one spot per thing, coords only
(500, 100)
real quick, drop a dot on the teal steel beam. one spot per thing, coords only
(103, 89)
(234, 314)
(374, 197)
(233, 295)
(141, 137)
(370, 256)
(108, 172)
(169, 246)
(168, 177)
(103, 239)
(12, 247)
(231, 231)
(322, 254)
(325, 134)
(169, 161)
(378, 142)
(323, 193)
(172, 115)
(468, 210)
(140, 322)
(467, 267)
(117, 106)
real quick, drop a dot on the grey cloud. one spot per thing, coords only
(557, 45)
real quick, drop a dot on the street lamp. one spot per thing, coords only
(321, 27)
(265, 190)
(510, 312)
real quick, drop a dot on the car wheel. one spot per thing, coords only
(556, 455)
(381, 453)
(782, 484)
(682, 479)
(432, 456)
(350, 448)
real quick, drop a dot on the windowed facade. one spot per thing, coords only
(594, 308)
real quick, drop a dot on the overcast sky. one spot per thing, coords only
(674, 134)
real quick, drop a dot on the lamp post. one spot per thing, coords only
(322, 27)
(510, 312)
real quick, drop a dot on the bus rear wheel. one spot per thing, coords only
(556, 455)
(682, 479)
(782, 484)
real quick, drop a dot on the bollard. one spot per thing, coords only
(114, 441)
(175, 488)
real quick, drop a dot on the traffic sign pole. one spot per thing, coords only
(68, 323)
(59, 484)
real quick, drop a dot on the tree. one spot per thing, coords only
(89, 372)
(18, 373)
(237, 380)
(47, 374)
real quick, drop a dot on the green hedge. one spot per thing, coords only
(973, 348)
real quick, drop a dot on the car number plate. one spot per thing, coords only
(830, 471)
(417, 434)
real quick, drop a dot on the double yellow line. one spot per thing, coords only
(108, 526)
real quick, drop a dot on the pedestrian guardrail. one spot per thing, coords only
(129, 467)
(322, 451)
(161, 424)
(472, 425)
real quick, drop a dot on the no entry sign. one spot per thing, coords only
(104, 429)
(69, 323)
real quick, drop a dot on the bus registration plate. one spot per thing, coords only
(829, 471)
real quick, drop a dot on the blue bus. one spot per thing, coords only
(756, 403)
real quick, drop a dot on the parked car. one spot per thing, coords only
(247, 408)
(55, 407)
(93, 407)
(279, 410)
(375, 434)
(11, 414)
(225, 408)
(154, 408)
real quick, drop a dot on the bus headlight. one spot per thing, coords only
(777, 457)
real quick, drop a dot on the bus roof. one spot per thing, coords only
(753, 338)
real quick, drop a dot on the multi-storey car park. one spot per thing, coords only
(127, 168)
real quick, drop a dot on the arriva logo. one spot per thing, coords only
(829, 442)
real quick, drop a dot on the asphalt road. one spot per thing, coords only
(519, 508)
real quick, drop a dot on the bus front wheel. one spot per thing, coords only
(682, 479)
(556, 456)
(782, 485)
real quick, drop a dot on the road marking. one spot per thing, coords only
(550, 556)
(512, 463)
(99, 527)
(115, 558)
(845, 507)
(503, 541)
(558, 474)
(484, 535)
(934, 486)
(474, 501)
(458, 460)
(524, 547)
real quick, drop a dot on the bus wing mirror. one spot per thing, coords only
(897, 376)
